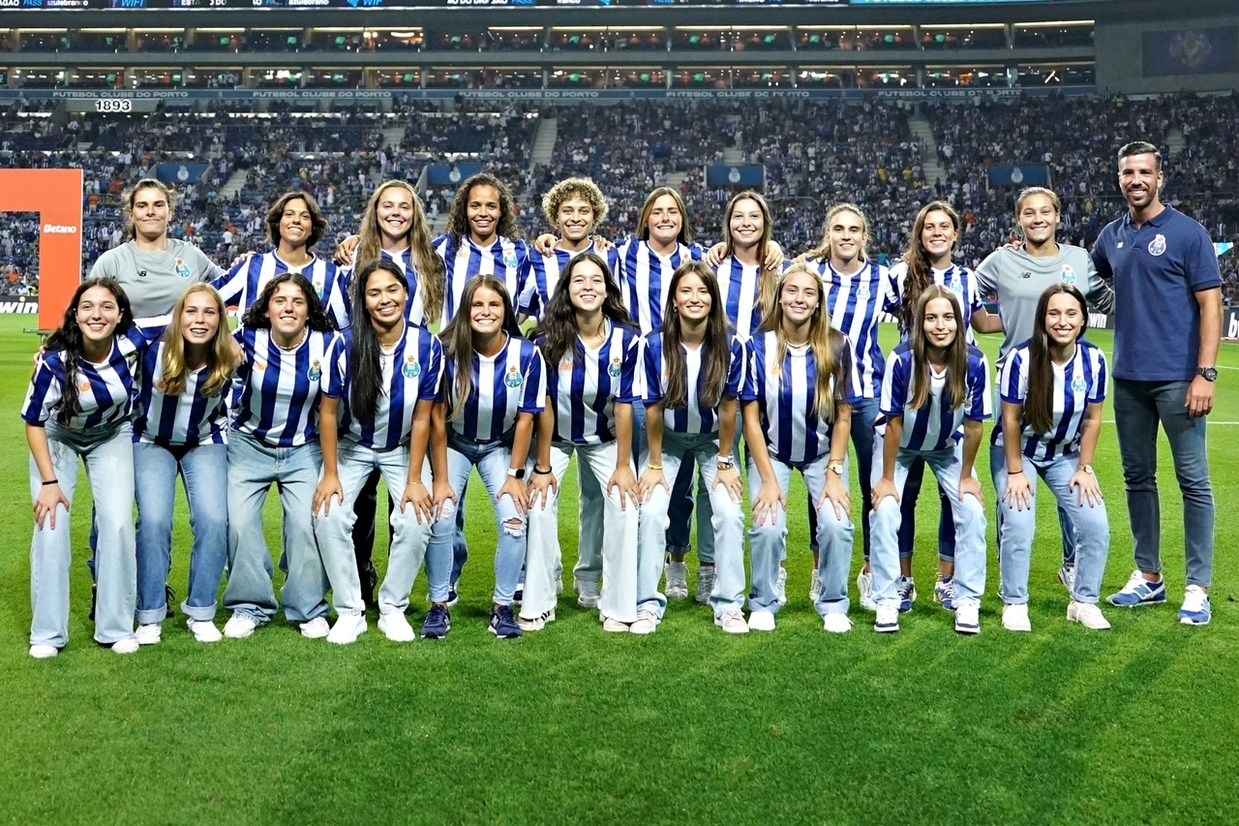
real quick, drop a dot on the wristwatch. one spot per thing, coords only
(1087, 469)
(835, 468)
(516, 472)
(726, 462)
(1210, 373)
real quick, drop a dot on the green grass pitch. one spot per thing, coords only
(571, 725)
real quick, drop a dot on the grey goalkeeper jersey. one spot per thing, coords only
(1017, 280)
(154, 281)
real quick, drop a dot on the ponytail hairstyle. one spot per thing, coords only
(822, 251)
(826, 344)
(457, 337)
(458, 212)
(919, 276)
(431, 278)
(558, 326)
(1039, 403)
(365, 367)
(643, 223)
(318, 224)
(316, 317)
(767, 277)
(130, 195)
(67, 338)
(715, 348)
(956, 354)
(219, 349)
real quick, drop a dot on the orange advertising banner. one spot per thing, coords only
(56, 195)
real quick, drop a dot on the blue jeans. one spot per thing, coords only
(727, 525)
(108, 455)
(680, 512)
(967, 516)
(334, 529)
(1139, 406)
(768, 542)
(492, 460)
(1015, 533)
(204, 471)
(252, 467)
(863, 417)
(997, 465)
(907, 511)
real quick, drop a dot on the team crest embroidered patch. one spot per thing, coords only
(1078, 385)
(182, 269)
(1158, 245)
(411, 368)
(316, 372)
(615, 368)
(1069, 275)
(513, 378)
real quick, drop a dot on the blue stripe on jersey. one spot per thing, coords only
(931, 428)
(419, 357)
(506, 259)
(511, 382)
(739, 286)
(644, 277)
(544, 276)
(785, 396)
(1085, 374)
(242, 284)
(693, 417)
(188, 419)
(275, 394)
(586, 384)
(853, 302)
(959, 280)
(414, 311)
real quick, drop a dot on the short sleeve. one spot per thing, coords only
(980, 400)
(44, 392)
(1100, 372)
(895, 386)
(332, 382)
(735, 369)
(1013, 378)
(432, 373)
(534, 399)
(632, 367)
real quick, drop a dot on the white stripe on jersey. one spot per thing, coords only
(959, 280)
(544, 276)
(188, 419)
(512, 381)
(738, 285)
(854, 302)
(275, 396)
(1085, 373)
(693, 417)
(506, 259)
(645, 276)
(931, 428)
(587, 383)
(244, 283)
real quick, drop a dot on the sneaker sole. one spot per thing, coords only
(970, 630)
(1140, 604)
(885, 629)
(1190, 621)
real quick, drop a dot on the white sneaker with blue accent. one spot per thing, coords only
(1196, 609)
(1139, 591)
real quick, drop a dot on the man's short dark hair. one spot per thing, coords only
(1141, 148)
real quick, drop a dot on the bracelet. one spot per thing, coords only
(540, 472)
(653, 467)
(726, 463)
(51, 482)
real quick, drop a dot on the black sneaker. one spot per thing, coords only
(438, 623)
(369, 581)
(94, 597)
(169, 598)
(503, 624)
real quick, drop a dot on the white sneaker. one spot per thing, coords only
(836, 623)
(677, 580)
(126, 646)
(586, 593)
(887, 620)
(395, 626)
(239, 627)
(315, 629)
(761, 621)
(732, 622)
(1015, 617)
(346, 630)
(536, 623)
(705, 584)
(43, 652)
(1067, 576)
(204, 630)
(614, 626)
(646, 623)
(149, 634)
(815, 587)
(864, 586)
(1088, 615)
(968, 618)
(780, 586)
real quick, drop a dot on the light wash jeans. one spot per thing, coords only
(726, 525)
(1139, 406)
(108, 455)
(252, 467)
(1016, 530)
(862, 434)
(334, 529)
(204, 471)
(768, 542)
(616, 525)
(968, 517)
(492, 460)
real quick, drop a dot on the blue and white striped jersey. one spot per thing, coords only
(506, 259)
(854, 303)
(586, 384)
(414, 311)
(544, 277)
(785, 396)
(738, 287)
(644, 278)
(1077, 384)
(188, 419)
(932, 428)
(411, 373)
(242, 284)
(959, 280)
(275, 393)
(693, 417)
(105, 391)
(510, 382)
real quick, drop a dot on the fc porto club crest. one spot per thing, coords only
(862, 292)
(1069, 275)
(513, 378)
(182, 269)
(509, 258)
(411, 368)
(1158, 245)
(614, 369)
(318, 287)
(316, 372)
(1078, 385)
